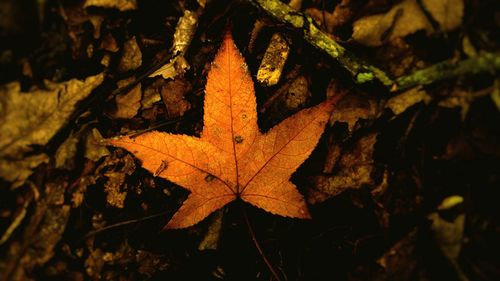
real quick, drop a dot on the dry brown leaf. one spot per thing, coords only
(448, 13)
(354, 171)
(65, 154)
(232, 158)
(122, 5)
(115, 196)
(184, 32)
(127, 104)
(33, 118)
(132, 56)
(272, 64)
(93, 150)
(172, 94)
(354, 107)
(211, 239)
(407, 18)
(398, 104)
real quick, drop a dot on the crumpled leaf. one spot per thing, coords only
(211, 239)
(184, 32)
(355, 169)
(354, 107)
(132, 56)
(122, 5)
(48, 222)
(33, 118)
(403, 101)
(127, 104)
(93, 150)
(172, 94)
(65, 154)
(232, 158)
(115, 194)
(448, 231)
(274, 60)
(406, 18)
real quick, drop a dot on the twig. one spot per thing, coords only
(361, 71)
(257, 245)
(115, 225)
(485, 62)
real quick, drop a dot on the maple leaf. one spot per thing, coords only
(232, 158)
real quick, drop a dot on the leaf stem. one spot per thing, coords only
(257, 245)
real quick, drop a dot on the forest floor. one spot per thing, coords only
(404, 183)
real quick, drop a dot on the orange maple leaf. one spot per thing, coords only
(232, 158)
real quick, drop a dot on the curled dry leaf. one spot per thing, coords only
(184, 32)
(132, 56)
(232, 158)
(127, 104)
(403, 101)
(33, 118)
(272, 64)
(172, 94)
(407, 18)
(122, 5)
(355, 169)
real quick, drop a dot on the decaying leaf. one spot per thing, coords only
(93, 150)
(115, 194)
(122, 5)
(65, 154)
(48, 222)
(183, 35)
(127, 104)
(211, 239)
(132, 56)
(340, 15)
(33, 118)
(355, 169)
(232, 158)
(448, 231)
(354, 107)
(407, 18)
(403, 101)
(152, 94)
(172, 94)
(272, 64)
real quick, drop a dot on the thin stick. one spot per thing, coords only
(257, 245)
(115, 225)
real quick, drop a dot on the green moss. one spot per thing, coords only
(364, 77)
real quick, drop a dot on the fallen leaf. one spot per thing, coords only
(448, 13)
(36, 245)
(232, 158)
(172, 94)
(355, 170)
(33, 118)
(93, 150)
(353, 107)
(274, 60)
(406, 18)
(128, 104)
(115, 194)
(184, 32)
(122, 5)
(152, 94)
(132, 56)
(211, 239)
(403, 101)
(65, 154)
